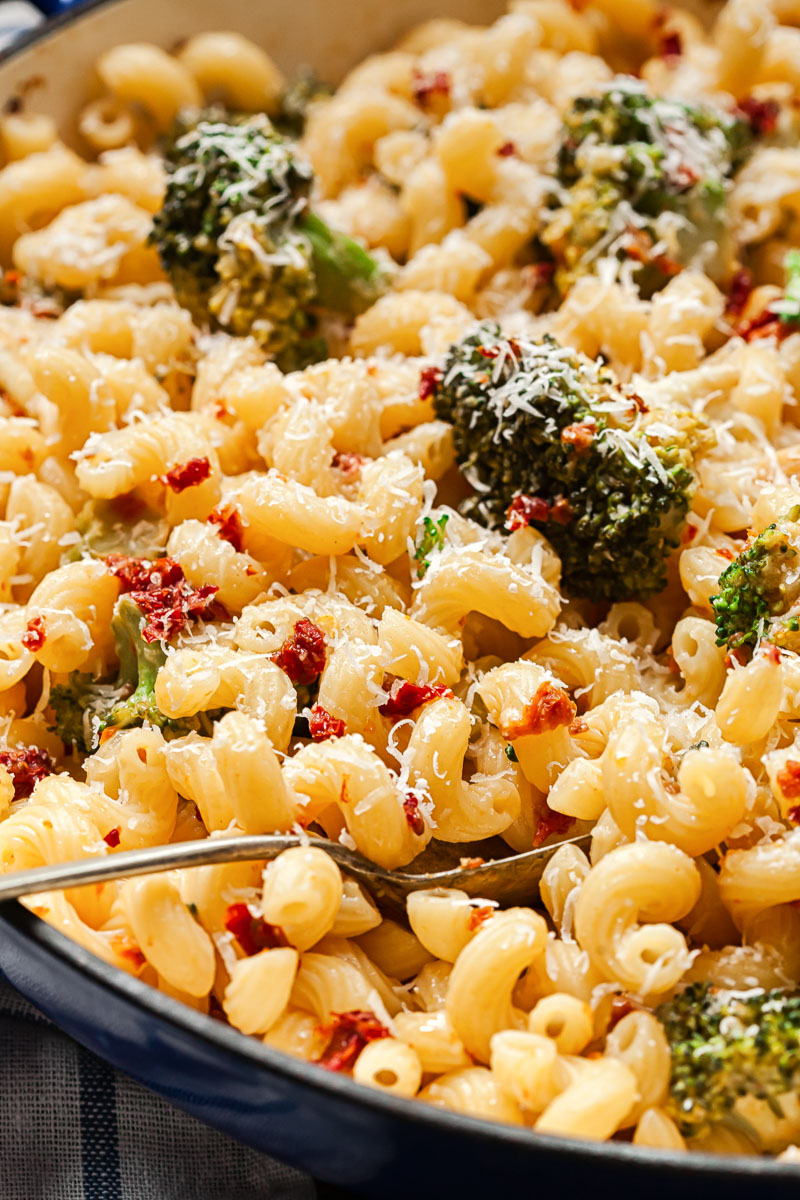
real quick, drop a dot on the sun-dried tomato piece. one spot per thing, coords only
(229, 525)
(349, 1034)
(621, 1006)
(302, 656)
(507, 149)
(471, 864)
(788, 779)
(794, 814)
(762, 114)
(404, 697)
(35, 635)
(188, 474)
(414, 818)
(771, 652)
(166, 598)
(323, 725)
(580, 435)
(550, 822)
(766, 325)
(739, 291)
(478, 916)
(671, 45)
(425, 86)
(549, 708)
(524, 510)
(112, 838)
(26, 765)
(349, 464)
(429, 380)
(253, 933)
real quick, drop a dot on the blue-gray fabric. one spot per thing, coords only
(71, 1128)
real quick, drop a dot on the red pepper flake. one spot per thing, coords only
(229, 525)
(561, 511)
(761, 114)
(671, 45)
(788, 779)
(414, 818)
(507, 150)
(112, 837)
(524, 510)
(689, 533)
(253, 933)
(424, 86)
(349, 464)
(549, 709)
(187, 475)
(550, 822)
(404, 697)
(740, 655)
(489, 351)
(302, 655)
(621, 1006)
(349, 1034)
(132, 953)
(34, 636)
(164, 595)
(741, 287)
(725, 552)
(771, 653)
(580, 436)
(26, 765)
(324, 725)
(471, 864)
(429, 380)
(794, 815)
(478, 916)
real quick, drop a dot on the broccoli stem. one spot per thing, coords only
(347, 277)
(139, 664)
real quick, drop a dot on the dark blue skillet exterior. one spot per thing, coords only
(328, 1125)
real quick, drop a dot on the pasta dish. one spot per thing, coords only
(417, 461)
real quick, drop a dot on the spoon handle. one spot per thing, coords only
(158, 858)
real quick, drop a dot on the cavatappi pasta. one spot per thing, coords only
(237, 596)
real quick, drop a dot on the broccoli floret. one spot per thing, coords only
(729, 1044)
(759, 592)
(296, 100)
(548, 439)
(238, 240)
(84, 708)
(643, 179)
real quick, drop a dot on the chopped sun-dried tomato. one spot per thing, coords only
(726, 552)
(549, 708)
(507, 149)
(523, 510)
(164, 595)
(762, 114)
(429, 380)
(324, 725)
(425, 87)
(302, 655)
(34, 636)
(26, 766)
(550, 822)
(404, 697)
(740, 655)
(471, 864)
(414, 818)
(478, 916)
(771, 653)
(766, 325)
(671, 45)
(621, 1006)
(741, 287)
(188, 474)
(539, 274)
(253, 933)
(580, 436)
(112, 837)
(229, 525)
(788, 779)
(349, 464)
(349, 1034)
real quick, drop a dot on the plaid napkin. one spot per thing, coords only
(72, 1128)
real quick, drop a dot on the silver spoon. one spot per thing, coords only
(510, 879)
